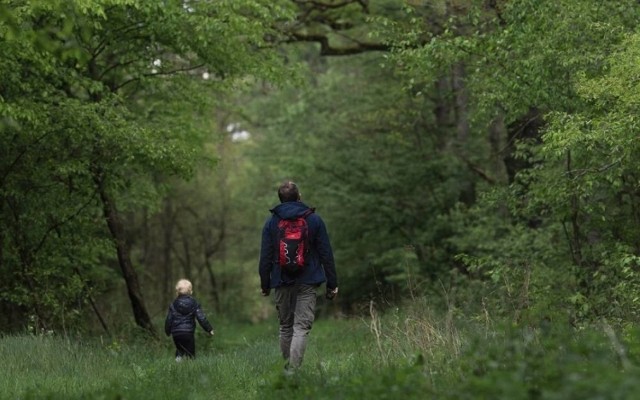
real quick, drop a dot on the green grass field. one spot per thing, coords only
(401, 357)
(240, 362)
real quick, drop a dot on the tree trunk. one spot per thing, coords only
(213, 247)
(214, 283)
(497, 138)
(461, 107)
(442, 111)
(528, 126)
(186, 264)
(575, 239)
(461, 104)
(168, 226)
(124, 258)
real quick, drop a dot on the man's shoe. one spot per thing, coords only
(289, 370)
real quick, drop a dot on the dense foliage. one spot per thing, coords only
(485, 160)
(479, 153)
(101, 103)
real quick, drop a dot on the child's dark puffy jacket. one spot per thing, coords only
(182, 316)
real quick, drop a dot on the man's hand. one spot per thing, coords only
(331, 293)
(265, 292)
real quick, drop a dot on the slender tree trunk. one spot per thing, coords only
(575, 239)
(497, 136)
(103, 323)
(213, 281)
(528, 126)
(442, 111)
(186, 264)
(145, 237)
(461, 107)
(129, 274)
(168, 225)
(462, 103)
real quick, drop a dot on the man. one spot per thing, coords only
(295, 290)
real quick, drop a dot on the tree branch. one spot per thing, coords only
(140, 76)
(321, 5)
(481, 173)
(11, 166)
(327, 50)
(63, 221)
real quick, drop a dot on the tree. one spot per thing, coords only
(526, 64)
(82, 77)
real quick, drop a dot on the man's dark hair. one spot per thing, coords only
(288, 191)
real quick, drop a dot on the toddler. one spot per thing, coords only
(180, 322)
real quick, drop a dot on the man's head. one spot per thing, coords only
(288, 191)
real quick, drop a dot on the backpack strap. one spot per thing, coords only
(307, 243)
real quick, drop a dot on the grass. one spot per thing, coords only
(239, 363)
(409, 354)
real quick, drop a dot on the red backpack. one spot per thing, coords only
(293, 242)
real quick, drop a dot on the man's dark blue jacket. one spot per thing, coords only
(320, 266)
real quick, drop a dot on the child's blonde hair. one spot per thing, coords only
(184, 287)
